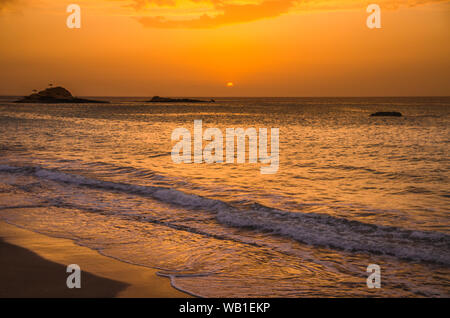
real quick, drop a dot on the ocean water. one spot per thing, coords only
(351, 190)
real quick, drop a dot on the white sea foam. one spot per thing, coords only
(308, 228)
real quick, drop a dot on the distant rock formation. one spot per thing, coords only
(157, 99)
(55, 95)
(392, 114)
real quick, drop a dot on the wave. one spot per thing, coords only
(307, 228)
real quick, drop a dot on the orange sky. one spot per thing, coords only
(194, 48)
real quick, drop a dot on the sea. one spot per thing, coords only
(351, 190)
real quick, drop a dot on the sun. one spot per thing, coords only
(230, 84)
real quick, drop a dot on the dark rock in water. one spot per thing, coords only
(392, 114)
(157, 99)
(55, 95)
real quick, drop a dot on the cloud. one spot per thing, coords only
(355, 4)
(140, 4)
(203, 14)
(12, 6)
(227, 12)
(5, 3)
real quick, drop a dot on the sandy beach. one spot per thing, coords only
(34, 265)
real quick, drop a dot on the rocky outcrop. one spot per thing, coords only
(157, 99)
(55, 95)
(391, 114)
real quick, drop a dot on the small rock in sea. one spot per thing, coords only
(55, 95)
(392, 114)
(157, 99)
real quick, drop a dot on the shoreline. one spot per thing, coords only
(34, 265)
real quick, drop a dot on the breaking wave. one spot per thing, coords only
(307, 228)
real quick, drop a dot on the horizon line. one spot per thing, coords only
(246, 96)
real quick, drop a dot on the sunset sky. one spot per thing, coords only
(199, 47)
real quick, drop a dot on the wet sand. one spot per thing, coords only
(34, 265)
